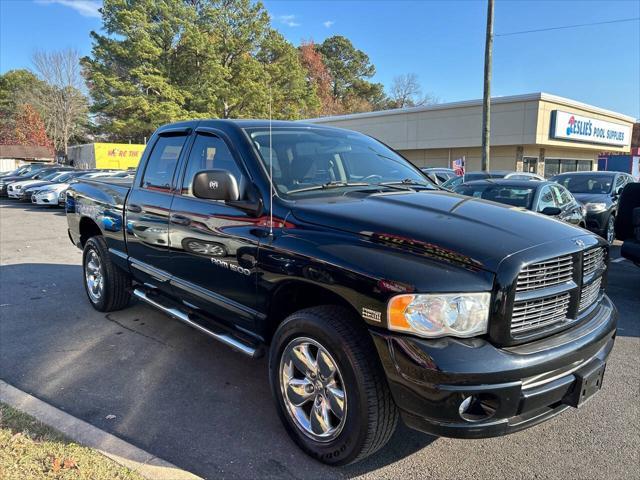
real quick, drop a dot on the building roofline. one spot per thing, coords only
(527, 97)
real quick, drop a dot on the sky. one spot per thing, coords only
(441, 41)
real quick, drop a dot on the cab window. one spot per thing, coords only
(162, 162)
(210, 152)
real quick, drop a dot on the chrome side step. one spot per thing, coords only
(227, 339)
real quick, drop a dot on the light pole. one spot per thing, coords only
(486, 97)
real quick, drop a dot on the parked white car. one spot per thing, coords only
(14, 189)
(50, 195)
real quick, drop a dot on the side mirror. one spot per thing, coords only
(551, 211)
(618, 191)
(216, 185)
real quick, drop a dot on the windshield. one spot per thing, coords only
(313, 160)
(510, 195)
(50, 176)
(586, 183)
(65, 176)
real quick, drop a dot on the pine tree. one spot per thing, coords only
(167, 60)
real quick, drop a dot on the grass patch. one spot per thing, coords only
(31, 450)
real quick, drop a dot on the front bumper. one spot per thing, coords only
(524, 385)
(597, 222)
(45, 198)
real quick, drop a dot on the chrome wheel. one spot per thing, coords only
(312, 389)
(611, 229)
(93, 276)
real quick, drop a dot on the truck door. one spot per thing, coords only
(213, 245)
(147, 212)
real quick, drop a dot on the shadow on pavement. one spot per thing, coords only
(28, 206)
(623, 287)
(174, 392)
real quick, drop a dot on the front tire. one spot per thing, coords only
(330, 391)
(106, 285)
(610, 232)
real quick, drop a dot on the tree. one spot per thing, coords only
(318, 78)
(162, 61)
(406, 91)
(26, 128)
(350, 70)
(16, 87)
(60, 98)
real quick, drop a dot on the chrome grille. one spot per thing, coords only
(589, 294)
(545, 274)
(592, 260)
(542, 312)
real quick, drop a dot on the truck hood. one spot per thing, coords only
(463, 229)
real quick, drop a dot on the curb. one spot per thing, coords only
(130, 456)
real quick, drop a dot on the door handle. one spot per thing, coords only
(134, 208)
(179, 219)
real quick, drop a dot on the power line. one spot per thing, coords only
(568, 26)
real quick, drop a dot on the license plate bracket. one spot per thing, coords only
(588, 382)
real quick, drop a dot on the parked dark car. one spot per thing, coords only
(599, 193)
(24, 169)
(481, 175)
(439, 175)
(547, 198)
(376, 295)
(27, 174)
(628, 222)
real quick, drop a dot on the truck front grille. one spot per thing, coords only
(545, 274)
(539, 313)
(589, 294)
(592, 260)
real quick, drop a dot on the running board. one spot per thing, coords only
(227, 339)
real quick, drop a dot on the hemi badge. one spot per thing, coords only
(370, 314)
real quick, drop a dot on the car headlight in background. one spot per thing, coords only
(596, 207)
(440, 314)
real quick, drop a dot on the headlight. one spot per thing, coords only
(440, 314)
(596, 207)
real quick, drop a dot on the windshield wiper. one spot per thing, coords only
(334, 184)
(406, 182)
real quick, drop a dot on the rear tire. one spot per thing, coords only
(367, 416)
(107, 286)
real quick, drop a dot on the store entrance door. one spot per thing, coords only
(530, 164)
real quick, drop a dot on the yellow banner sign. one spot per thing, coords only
(117, 155)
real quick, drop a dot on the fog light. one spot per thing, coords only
(477, 408)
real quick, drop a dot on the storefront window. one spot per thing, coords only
(554, 166)
(530, 164)
(584, 165)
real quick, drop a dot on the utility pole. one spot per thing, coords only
(486, 98)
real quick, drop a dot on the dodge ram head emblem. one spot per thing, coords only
(213, 185)
(579, 242)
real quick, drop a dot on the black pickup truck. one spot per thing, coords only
(375, 294)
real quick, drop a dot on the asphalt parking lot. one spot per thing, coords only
(194, 402)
